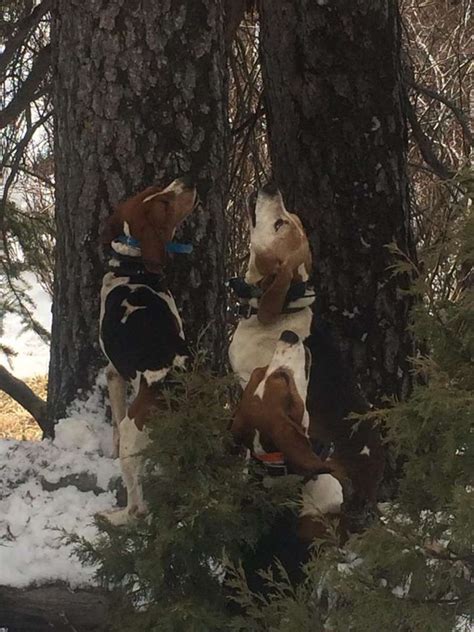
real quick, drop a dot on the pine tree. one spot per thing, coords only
(207, 509)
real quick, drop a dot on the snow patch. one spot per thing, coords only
(50, 488)
(32, 353)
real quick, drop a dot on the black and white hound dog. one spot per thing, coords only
(141, 332)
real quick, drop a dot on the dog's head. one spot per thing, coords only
(272, 416)
(279, 250)
(152, 217)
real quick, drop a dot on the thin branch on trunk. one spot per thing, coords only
(19, 150)
(30, 88)
(23, 29)
(22, 393)
(425, 146)
(458, 113)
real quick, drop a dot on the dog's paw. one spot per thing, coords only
(115, 452)
(118, 517)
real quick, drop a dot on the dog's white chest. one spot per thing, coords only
(253, 344)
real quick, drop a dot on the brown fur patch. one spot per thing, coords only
(277, 416)
(152, 217)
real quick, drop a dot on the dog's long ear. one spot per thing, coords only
(301, 255)
(153, 246)
(164, 210)
(241, 430)
(273, 299)
(241, 427)
(290, 439)
(111, 228)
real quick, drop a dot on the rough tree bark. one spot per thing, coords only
(337, 133)
(140, 98)
(55, 608)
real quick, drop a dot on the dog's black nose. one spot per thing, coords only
(289, 337)
(270, 188)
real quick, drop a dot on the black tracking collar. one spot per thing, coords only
(276, 467)
(245, 292)
(242, 289)
(134, 268)
(246, 310)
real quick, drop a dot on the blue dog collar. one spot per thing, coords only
(128, 240)
(182, 249)
(171, 246)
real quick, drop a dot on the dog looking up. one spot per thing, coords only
(141, 332)
(280, 259)
(275, 297)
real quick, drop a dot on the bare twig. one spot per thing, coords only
(30, 88)
(425, 145)
(22, 30)
(459, 114)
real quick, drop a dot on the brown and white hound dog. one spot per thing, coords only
(277, 299)
(272, 422)
(141, 332)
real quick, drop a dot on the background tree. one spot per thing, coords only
(436, 77)
(338, 141)
(26, 197)
(141, 100)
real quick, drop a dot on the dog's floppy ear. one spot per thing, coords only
(241, 427)
(112, 227)
(153, 246)
(301, 255)
(164, 210)
(154, 238)
(290, 439)
(241, 430)
(273, 299)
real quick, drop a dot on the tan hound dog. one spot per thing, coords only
(279, 256)
(276, 300)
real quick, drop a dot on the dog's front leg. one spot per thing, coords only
(118, 403)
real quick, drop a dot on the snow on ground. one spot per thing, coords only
(32, 353)
(48, 488)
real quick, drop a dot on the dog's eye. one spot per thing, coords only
(279, 223)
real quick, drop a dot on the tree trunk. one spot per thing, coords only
(332, 84)
(140, 98)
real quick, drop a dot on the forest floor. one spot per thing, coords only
(15, 421)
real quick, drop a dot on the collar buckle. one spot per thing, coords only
(244, 310)
(273, 462)
(128, 240)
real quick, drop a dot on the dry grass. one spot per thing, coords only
(15, 422)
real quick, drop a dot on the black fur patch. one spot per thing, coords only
(332, 393)
(148, 339)
(270, 188)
